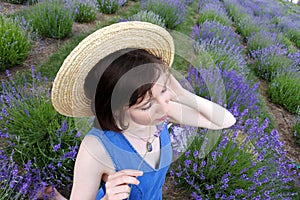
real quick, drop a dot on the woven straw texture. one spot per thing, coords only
(68, 96)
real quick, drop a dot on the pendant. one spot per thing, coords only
(149, 146)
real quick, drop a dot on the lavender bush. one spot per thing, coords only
(21, 1)
(294, 35)
(242, 94)
(213, 11)
(148, 16)
(296, 127)
(242, 17)
(247, 162)
(37, 134)
(267, 36)
(109, 6)
(15, 43)
(262, 39)
(223, 52)
(213, 29)
(84, 12)
(270, 61)
(51, 19)
(285, 90)
(172, 11)
(19, 181)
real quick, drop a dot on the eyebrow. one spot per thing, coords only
(151, 98)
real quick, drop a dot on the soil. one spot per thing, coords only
(284, 122)
(43, 47)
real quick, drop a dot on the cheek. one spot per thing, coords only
(140, 117)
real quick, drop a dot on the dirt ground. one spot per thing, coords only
(284, 122)
(43, 47)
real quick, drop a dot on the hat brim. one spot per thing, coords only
(68, 96)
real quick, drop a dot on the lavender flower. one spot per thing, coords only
(148, 16)
(29, 124)
(172, 11)
(239, 166)
(211, 29)
(224, 53)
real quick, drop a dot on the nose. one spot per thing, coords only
(163, 101)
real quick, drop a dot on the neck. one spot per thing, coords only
(140, 131)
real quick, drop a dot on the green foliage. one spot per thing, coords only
(36, 130)
(287, 42)
(285, 91)
(213, 16)
(108, 6)
(246, 27)
(51, 19)
(226, 60)
(84, 13)
(14, 45)
(259, 41)
(296, 130)
(21, 1)
(263, 39)
(243, 22)
(296, 127)
(229, 159)
(16, 1)
(294, 36)
(148, 16)
(187, 24)
(172, 12)
(270, 66)
(236, 13)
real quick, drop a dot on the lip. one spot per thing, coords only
(163, 118)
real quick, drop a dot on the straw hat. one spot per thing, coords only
(68, 96)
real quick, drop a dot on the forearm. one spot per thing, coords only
(216, 114)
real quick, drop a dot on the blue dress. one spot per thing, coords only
(124, 156)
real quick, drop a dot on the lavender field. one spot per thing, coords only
(255, 48)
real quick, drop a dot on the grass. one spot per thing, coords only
(51, 66)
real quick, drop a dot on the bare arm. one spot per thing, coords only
(190, 109)
(87, 172)
(92, 165)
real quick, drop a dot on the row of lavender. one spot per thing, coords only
(249, 161)
(240, 166)
(54, 19)
(38, 145)
(272, 33)
(50, 18)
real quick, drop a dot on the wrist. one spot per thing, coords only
(177, 95)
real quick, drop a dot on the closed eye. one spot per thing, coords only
(147, 107)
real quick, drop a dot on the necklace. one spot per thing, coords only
(149, 146)
(159, 128)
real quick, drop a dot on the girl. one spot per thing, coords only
(132, 95)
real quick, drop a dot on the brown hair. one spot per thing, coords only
(124, 78)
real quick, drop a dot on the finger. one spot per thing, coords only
(119, 192)
(123, 189)
(121, 180)
(128, 172)
(132, 172)
(121, 196)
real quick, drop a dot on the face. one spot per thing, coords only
(152, 110)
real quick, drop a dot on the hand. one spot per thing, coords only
(175, 88)
(52, 193)
(116, 185)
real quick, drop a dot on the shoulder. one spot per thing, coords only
(93, 148)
